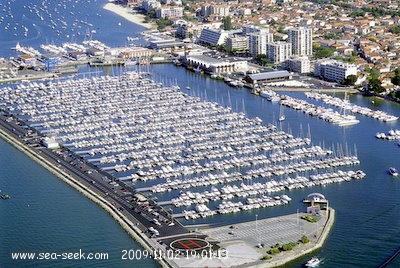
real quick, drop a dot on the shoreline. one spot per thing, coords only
(306, 249)
(119, 217)
(127, 14)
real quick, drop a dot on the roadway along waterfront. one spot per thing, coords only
(61, 163)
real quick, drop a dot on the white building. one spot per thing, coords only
(258, 42)
(299, 64)
(217, 66)
(169, 12)
(237, 43)
(332, 70)
(148, 5)
(279, 52)
(213, 36)
(247, 29)
(301, 40)
(174, 2)
(50, 143)
(221, 10)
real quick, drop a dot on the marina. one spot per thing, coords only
(208, 145)
(362, 205)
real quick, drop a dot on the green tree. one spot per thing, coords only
(350, 80)
(227, 23)
(375, 85)
(281, 30)
(304, 239)
(323, 52)
(357, 13)
(397, 94)
(373, 73)
(396, 78)
(395, 29)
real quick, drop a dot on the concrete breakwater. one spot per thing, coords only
(119, 217)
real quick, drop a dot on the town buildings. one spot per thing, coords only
(332, 70)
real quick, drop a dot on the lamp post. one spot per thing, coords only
(258, 237)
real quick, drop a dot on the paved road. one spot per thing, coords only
(121, 196)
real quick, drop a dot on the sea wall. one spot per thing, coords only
(125, 223)
(303, 249)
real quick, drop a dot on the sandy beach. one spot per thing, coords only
(127, 14)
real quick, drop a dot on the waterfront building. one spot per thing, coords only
(214, 37)
(78, 55)
(279, 52)
(299, 64)
(170, 12)
(237, 43)
(213, 65)
(333, 70)
(27, 60)
(148, 5)
(135, 52)
(96, 52)
(166, 44)
(258, 42)
(301, 40)
(263, 78)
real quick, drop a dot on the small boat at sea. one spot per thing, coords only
(393, 171)
(5, 196)
(313, 262)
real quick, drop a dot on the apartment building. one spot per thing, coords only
(301, 40)
(169, 12)
(258, 42)
(299, 64)
(278, 52)
(332, 70)
(213, 36)
(237, 43)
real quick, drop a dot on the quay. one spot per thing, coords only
(150, 223)
(242, 241)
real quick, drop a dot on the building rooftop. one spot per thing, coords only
(269, 75)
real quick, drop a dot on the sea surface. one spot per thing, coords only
(46, 215)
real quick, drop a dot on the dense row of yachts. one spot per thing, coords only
(168, 143)
(326, 114)
(346, 105)
(61, 50)
(393, 134)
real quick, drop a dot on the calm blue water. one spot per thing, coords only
(44, 214)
